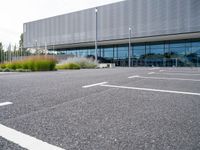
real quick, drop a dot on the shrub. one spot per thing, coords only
(33, 63)
(87, 64)
(1, 70)
(13, 65)
(3, 66)
(84, 63)
(68, 66)
(39, 63)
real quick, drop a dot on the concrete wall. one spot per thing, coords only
(146, 17)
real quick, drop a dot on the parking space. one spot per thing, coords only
(167, 83)
(121, 108)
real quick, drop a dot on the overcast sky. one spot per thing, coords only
(13, 13)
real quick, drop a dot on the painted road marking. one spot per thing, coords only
(6, 72)
(136, 76)
(154, 68)
(151, 72)
(24, 140)
(157, 78)
(96, 84)
(151, 90)
(5, 103)
(183, 74)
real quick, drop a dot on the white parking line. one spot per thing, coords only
(87, 86)
(157, 78)
(154, 68)
(182, 74)
(151, 72)
(136, 76)
(151, 90)
(24, 140)
(5, 103)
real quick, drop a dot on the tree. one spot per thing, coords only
(15, 48)
(21, 43)
(9, 52)
(1, 52)
(1, 46)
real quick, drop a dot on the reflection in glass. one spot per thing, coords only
(168, 53)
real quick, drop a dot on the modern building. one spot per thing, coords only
(161, 33)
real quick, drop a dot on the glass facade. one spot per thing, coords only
(167, 53)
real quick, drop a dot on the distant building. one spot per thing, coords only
(163, 33)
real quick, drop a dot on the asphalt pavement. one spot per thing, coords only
(101, 109)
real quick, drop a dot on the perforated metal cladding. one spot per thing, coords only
(146, 17)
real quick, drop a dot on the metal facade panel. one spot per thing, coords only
(146, 17)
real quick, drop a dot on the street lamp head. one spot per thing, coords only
(130, 28)
(96, 10)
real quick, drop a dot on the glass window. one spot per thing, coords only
(178, 48)
(83, 53)
(115, 52)
(188, 43)
(157, 48)
(108, 52)
(138, 51)
(177, 43)
(92, 52)
(185, 50)
(148, 49)
(123, 52)
(196, 43)
(177, 51)
(99, 52)
(167, 48)
(196, 50)
(188, 50)
(70, 52)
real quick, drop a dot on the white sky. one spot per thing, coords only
(13, 13)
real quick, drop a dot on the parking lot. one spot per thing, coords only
(102, 109)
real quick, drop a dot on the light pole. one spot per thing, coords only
(96, 35)
(129, 49)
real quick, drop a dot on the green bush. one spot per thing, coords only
(68, 66)
(3, 66)
(33, 63)
(13, 65)
(84, 63)
(1, 70)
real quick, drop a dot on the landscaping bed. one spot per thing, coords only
(77, 63)
(33, 63)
